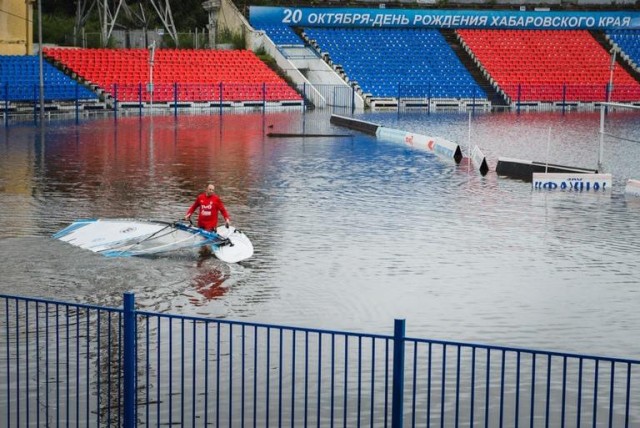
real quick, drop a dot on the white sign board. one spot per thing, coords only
(632, 188)
(572, 181)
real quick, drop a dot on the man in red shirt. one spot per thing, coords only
(209, 204)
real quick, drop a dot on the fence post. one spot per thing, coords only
(397, 400)
(6, 104)
(264, 96)
(175, 98)
(353, 99)
(304, 97)
(475, 93)
(221, 98)
(129, 357)
(77, 103)
(115, 99)
(35, 104)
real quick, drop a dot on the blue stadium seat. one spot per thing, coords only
(19, 81)
(629, 42)
(282, 35)
(390, 63)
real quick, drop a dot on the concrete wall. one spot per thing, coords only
(230, 19)
(16, 28)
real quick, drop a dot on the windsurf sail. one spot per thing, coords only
(134, 237)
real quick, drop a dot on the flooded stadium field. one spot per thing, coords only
(349, 232)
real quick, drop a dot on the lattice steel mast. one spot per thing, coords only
(108, 11)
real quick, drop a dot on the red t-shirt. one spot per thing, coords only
(209, 208)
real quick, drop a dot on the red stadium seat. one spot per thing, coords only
(534, 59)
(198, 73)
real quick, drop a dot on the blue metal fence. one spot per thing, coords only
(72, 364)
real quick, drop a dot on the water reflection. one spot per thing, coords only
(349, 233)
(209, 280)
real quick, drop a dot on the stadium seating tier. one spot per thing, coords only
(20, 81)
(390, 63)
(549, 65)
(628, 41)
(178, 74)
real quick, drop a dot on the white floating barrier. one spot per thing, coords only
(437, 145)
(568, 181)
(632, 188)
(479, 160)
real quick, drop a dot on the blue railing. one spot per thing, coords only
(72, 364)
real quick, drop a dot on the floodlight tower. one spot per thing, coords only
(108, 15)
(108, 11)
(163, 9)
(83, 10)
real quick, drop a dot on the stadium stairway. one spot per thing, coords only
(608, 45)
(496, 99)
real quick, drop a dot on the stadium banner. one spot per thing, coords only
(267, 16)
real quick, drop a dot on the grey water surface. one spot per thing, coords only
(349, 233)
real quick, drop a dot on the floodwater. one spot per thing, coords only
(349, 233)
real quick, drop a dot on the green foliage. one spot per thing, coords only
(58, 29)
(273, 65)
(93, 40)
(59, 17)
(185, 41)
(167, 41)
(189, 15)
(55, 29)
(59, 7)
(235, 39)
(111, 43)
